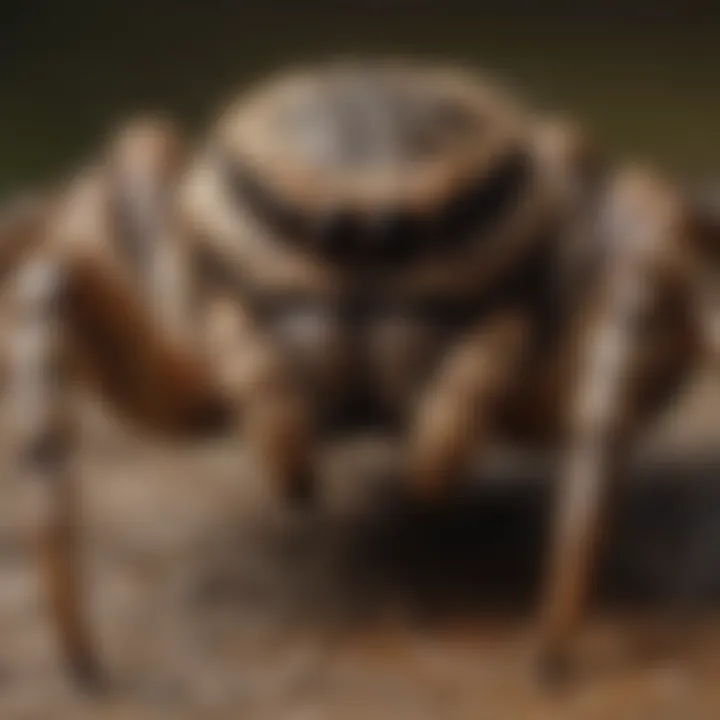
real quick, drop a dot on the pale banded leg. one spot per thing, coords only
(146, 159)
(621, 344)
(77, 314)
(456, 414)
(41, 376)
(21, 224)
(277, 424)
(83, 320)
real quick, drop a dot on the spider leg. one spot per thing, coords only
(41, 374)
(144, 164)
(455, 415)
(80, 318)
(635, 346)
(84, 320)
(153, 229)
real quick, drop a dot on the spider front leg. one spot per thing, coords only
(456, 414)
(144, 164)
(83, 320)
(178, 280)
(42, 378)
(277, 424)
(636, 344)
(79, 319)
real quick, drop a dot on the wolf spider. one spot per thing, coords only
(407, 246)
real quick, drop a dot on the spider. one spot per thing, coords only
(408, 247)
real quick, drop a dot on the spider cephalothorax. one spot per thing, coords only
(401, 243)
(384, 163)
(370, 215)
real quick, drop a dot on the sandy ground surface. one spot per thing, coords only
(212, 601)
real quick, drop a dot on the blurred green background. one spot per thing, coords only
(643, 76)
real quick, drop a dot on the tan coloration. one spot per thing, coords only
(255, 378)
(566, 147)
(22, 220)
(148, 148)
(59, 543)
(255, 133)
(279, 431)
(73, 301)
(144, 163)
(132, 359)
(94, 308)
(72, 308)
(249, 253)
(156, 382)
(572, 321)
(45, 424)
(257, 256)
(641, 342)
(480, 267)
(456, 411)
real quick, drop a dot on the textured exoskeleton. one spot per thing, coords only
(405, 246)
